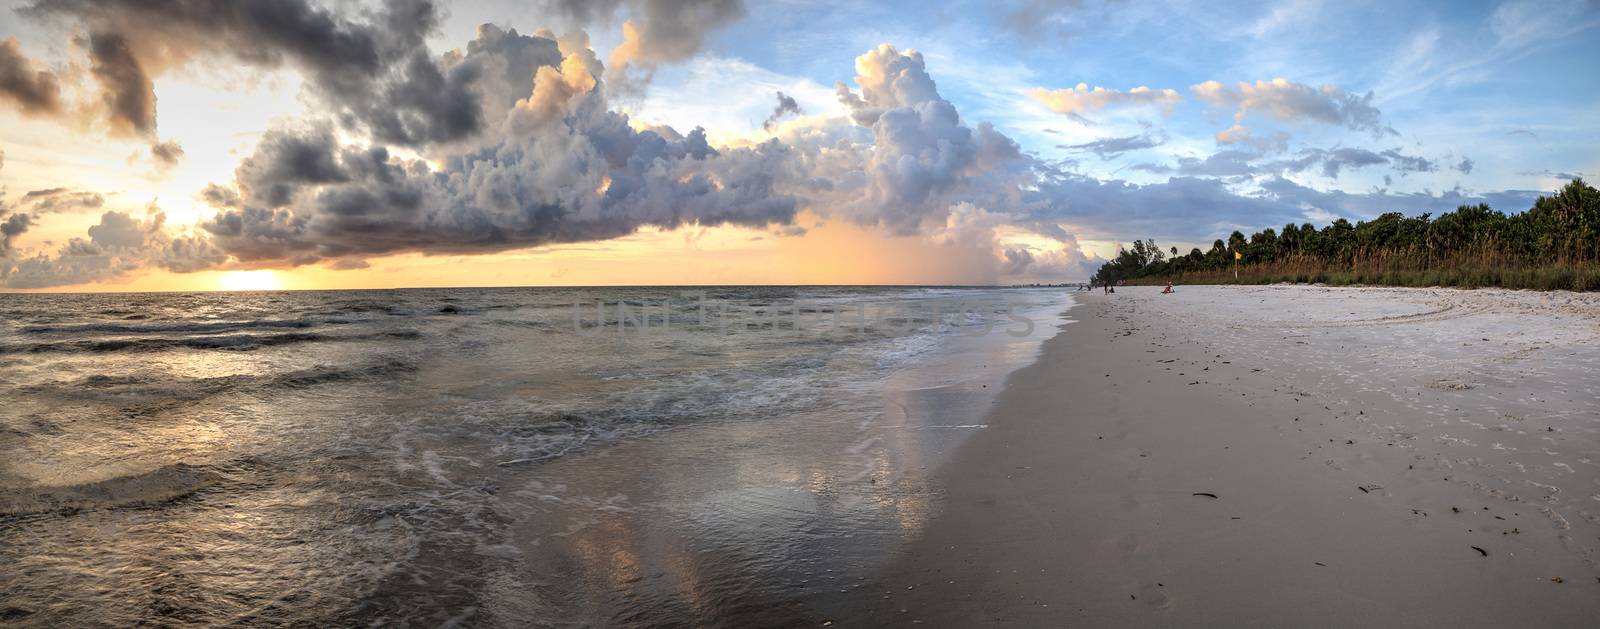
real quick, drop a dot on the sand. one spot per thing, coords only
(1362, 445)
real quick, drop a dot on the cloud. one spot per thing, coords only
(1554, 174)
(1465, 167)
(1081, 99)
(118, 246)
(1335, 160)
(52, 200)
(166, 154)
(1219, 164)
(1330, 162)
(1410, 163)
(128, 94)
(786, 105)
(1242, 135)
(514, 141)
(1108, 148)
(653, 33)
(1033, 18)
(33, 91)
(374, 68)
(1283, 15)
(1292, 102)
(888, 79)
(566, 169)
(14, 226)
(923, 158)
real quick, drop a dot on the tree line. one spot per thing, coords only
(1553, 245)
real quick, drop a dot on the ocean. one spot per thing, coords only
(481, 457)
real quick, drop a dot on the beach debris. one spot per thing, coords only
(1369, 488)
(1557, 580)
(1455, 510)
(1481, 551)
(1320, 564)
(1204, 493)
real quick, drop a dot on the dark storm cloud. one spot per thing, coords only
(665, 30)
(128, 94)
(369, 203)
(655, 32)
(372, 68)
(565, 168)
(13, 226)
(522, 147)
(284, 160)
(34, 91)
(786, 106)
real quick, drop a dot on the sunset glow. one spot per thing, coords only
(227, 155)
(249, 280)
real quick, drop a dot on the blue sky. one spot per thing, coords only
(1454, 79)
(988, 142)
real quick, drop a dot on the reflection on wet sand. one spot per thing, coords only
(439, 457)
(750, 522)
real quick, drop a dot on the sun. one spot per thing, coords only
(249, 280)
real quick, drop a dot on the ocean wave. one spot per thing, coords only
(125, 389)
(185, 327)
(159, 486)
(231, 342)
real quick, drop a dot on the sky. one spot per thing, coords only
(304, 144)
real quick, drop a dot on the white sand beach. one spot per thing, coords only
(1277, 456)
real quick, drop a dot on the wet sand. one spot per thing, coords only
(1362, 445)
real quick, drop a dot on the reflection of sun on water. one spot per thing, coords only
(249, 280)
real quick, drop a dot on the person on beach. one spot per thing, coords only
(1168, 289)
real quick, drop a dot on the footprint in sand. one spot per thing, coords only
(1154, 596)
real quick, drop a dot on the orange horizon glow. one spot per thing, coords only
(249, 281)
(830, 253)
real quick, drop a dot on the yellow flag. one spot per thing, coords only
(1236, 255)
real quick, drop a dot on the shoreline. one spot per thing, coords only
(1087, 500)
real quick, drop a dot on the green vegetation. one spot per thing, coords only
(1554, 245)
